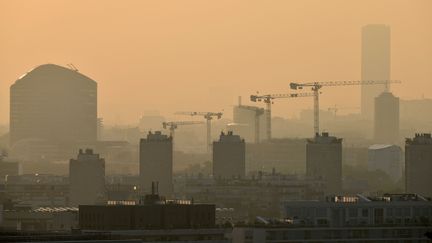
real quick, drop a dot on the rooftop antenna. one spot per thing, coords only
(71, 66)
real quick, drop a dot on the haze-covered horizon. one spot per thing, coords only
(200, 56)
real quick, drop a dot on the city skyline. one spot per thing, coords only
(232, 50)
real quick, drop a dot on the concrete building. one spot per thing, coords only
(229, 157)
(59, 219)
(418, 164)
(9, 168)
(53, 103)
(342, 211)
(387, 158)
(260, 195)
(386, 119)
(244, 119)
(156, 162)
(324, 161)
(87, 178)
(285, 155)
(375, 64)
(153, 212)
(316, 234)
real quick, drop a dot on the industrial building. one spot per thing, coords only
(156, 162)
(375, 64)
(342, 211)
(9, 168)
(386, 119)
(418, 164)
(387, 158)
(262, 194)
(316, 234)
(229, 157)
(152, 212)
(87, 178)
(55, 104)
(324, 161)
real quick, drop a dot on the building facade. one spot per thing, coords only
(386, 119)
(418, 164)
(53, 103)
(229, 157)
(324, 161)
(87, 179)
(156, 162)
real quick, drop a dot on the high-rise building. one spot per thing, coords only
(386, 119)
(418, 164)
(54, 104)
(229, 157)
(375, 64)
(87, 178)
(324, 161)
(156, 162)
(244, 120)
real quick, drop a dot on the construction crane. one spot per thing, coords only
(208, 116)
(335, 109)
(316, 87)
(173, 125)
(268, 100)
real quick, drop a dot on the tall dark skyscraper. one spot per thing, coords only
(375, 64)
(156, 162)
(386, 119)
(54, 104)
(418, 164)
(324, 161)
(229, 157)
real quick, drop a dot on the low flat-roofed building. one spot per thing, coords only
(359, 210)
(152, 212)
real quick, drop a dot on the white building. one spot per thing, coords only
(387, 158)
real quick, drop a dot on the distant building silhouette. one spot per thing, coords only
(153, 212)
(324, 160)
(156, 162)
(244, 122)
(87, 178)
(53, 105)
(418, 164)
(386, 119)
(387, 158)
(375, 64)
(229, 157)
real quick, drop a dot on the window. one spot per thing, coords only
(353, 212)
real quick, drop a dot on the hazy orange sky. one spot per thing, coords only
(201, 55)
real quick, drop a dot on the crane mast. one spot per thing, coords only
(208, 116)
(316, 87)
(268, 100)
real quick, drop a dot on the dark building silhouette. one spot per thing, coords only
(87, 178)
(153, 212)
(324, 161)
(229, 157)
(386, 119)
(53, 103)
(418, 164)
(375, 64)
(156, 162)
